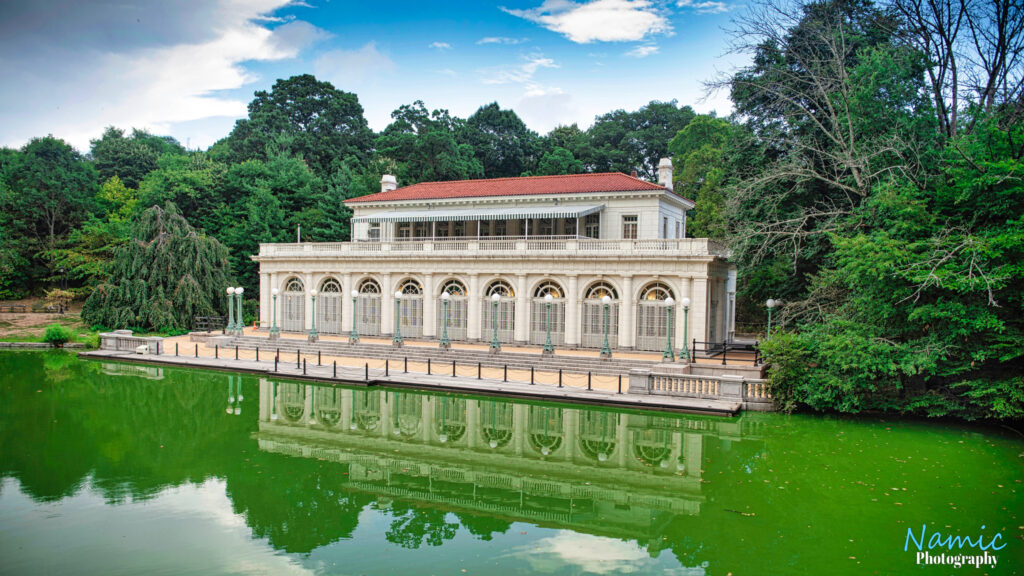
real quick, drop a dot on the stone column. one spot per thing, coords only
(346, 303)
(522, 331)
(473, 422)
(264, 317)
(693, 453)
(387, 306)
(520, 423)
(699, 310)
(572, 313)
(685, 291)
(385, 414)
(475, 318)
(430, 305)
(307, 411)
(627, 314)
(426, 418)
(346, 409)
(307, 280)
(265, 400)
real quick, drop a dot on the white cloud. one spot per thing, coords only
(501, 40)
(597, 555)
(519, 74)
(173, 73)
(599, 20)
(704, 6)
(346, 67)
(441, 45)
(642, 51)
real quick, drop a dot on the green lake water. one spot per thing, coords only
(110, 468)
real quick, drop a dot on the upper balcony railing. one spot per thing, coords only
(498, 246)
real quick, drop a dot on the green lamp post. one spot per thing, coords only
(275, 332)
(313, 334)
(239, 323)
(353, 336)
(495, 343)
(397, 340)
(684, 353)
(606, 350)
(549, 348)
(446, 344)
(669, 355)
(770, 304)
(230, 328)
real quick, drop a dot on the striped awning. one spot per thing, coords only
(482, 214)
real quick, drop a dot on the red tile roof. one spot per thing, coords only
(523, 186)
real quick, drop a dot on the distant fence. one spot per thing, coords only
(209, 323)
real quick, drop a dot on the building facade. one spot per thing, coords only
(498, 248)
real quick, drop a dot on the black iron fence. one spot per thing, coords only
(729, 352)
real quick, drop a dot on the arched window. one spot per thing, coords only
(594, 316)
(410, 286)
(656, 291)
(458, 310)
(599, 290)
(454, 288)
(501, 288)
(293, 306)
(548, 287)
(328, 308)
(368, 310)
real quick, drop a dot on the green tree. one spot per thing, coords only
(501, 141)
(166, 275)
(303, 117)
(559, 161)
(425, 147)
(48, 189)
(130, 158)
(698, 153)
(622, 141)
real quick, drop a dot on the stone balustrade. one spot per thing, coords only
(123, 340)
(484, 246)
(678, 381)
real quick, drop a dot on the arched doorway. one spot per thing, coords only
(293, 306)
(410, 310)
(652, 326)
(506, 311)
(328, 309)
(368, 308)
(593, 316)
(458, 310)
(539, 317)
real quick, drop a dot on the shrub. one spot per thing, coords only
(57, 335)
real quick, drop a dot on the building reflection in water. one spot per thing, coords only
(607, 472)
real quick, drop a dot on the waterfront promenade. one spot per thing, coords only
(513, 372)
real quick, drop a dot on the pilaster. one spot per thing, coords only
(572, 313)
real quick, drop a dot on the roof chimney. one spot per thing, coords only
(388, 183)
(633, 173)
(665, 173)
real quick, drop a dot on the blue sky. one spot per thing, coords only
(188, 68)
